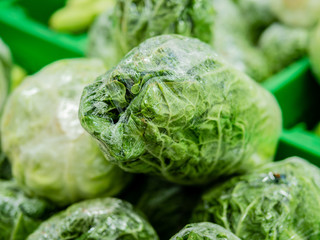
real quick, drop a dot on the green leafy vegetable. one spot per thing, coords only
(168, 206)
(279, 201)
(297, 13)
(317, 130)
(20, 215)
(107, 219)
(283, 45)
(233, 41)
(116, 32)
(172, 108)
(51, 154)
(204, 231)
(314, 51)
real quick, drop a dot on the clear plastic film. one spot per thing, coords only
(117, 31)
(278, 201)
(51, 154)
(97, 219)
(204, 231)
(171, 107)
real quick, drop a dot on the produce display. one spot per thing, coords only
(278, 201)
(106, 218)
(158, 120)
(204, 231)
(49, 151)
(155, 112)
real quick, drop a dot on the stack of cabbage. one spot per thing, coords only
(258, 37)
(171, 108)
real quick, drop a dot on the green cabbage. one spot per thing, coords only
(204, 231)
(19, 214)
(233, 41)
(168, 206)
(297, 13)
(282, 45)
(279, 201)
(107, 219)
(314, 51)
(116, 32)
(51, 154)
(172, 108)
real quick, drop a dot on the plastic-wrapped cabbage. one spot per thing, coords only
(297, 13)
(78, 15)
(314, 51)
(51, 154)
(116, 32)
(172, 108)
(168, 206)
(204, 231)
(279, 201)
(20, 215)
(257, 13)
(232, 41)
(282, 45)
(107, 219)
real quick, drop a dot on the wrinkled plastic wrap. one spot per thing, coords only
(282, 45)
(51, 154)
(107, 219)
(116, 32)
(172, 108)
(297, 13)
(204, 231)
(233, 41)
(314, 51)
(279, 201)
(20, 215)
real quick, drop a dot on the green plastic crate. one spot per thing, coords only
(24, 28)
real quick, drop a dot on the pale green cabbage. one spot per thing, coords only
(51, 154)
(171, 107)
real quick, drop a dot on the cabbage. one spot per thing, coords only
(204, 231)
(51, 155)
(233, 41)
(282, 45)
(314, 51)
(107, 219)
(279, 201)
(172, 108)
(19, 214)
(116, 32)
(297, 13)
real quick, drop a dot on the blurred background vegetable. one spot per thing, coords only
(51, 154)
(78, 15)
